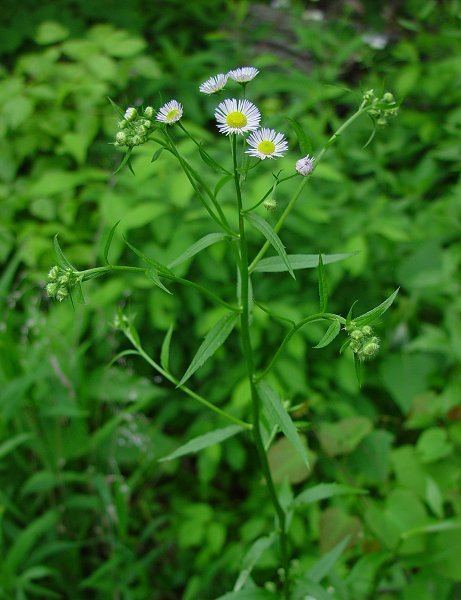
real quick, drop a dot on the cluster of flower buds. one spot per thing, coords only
(60, 282)
(381, 109)
(134, 128)
(362, 342)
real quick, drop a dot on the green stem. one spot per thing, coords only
(294, 199)
(172, 379)
(99, 271)
(290, 334)
(249, 361)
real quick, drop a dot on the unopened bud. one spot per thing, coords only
(53, 273)
(149, 112)
(305, 166)
(366, 330)
(389, 98)
(370, 349)
(131, 114)
(270, 205)
(121, 137)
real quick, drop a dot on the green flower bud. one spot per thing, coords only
(355, 346)
(131, 114)
(136, 140)
(366, 330)
(369, 350)
(53, 273)
(51, 289)
(149, 112)
(389, 98)
(61, 294)
(122, 124)
(121, 138)
(270, 205)
(356, 334)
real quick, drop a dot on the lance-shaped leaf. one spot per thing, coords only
(330, 334)
(62, 260)
(213, 340)
(153, 276)
(153, 263)
(323, 566)
(305, 144)
(156, 155)
(204, 441)
(110, 237)
(252, 557)
(374, 314)
(263, 227)
(165, 351)
(274, 406)
(125, 160)
(274, 264)
(202, 243)
(253, 593)
(323, 291)
(324, 491)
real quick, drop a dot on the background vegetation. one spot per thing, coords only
(86, 509)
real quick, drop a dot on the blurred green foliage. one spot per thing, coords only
(86, 509)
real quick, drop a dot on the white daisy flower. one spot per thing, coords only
(267, 143)
(214, 84)
(170, 112)
(243, 74)
(237, 116)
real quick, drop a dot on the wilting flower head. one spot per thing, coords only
(243, 74)
(237, 116)
(267, 143)
(170, 112)
(213, 84)
(305, 165)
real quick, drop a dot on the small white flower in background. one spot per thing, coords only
(170, 112)
(213, 84)
(131, 114)
(243, 74)
(377, 41)
(305, 165)
(267, 143)
(237, 116)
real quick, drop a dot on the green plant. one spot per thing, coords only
(269, 415)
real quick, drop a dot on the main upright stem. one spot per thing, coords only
(249, 361)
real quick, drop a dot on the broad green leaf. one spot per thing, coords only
(273, 404)
(62, 260)
(322, 567)
(165, 351)
(213, 340)
(110, 237)
(202, 243)
(263, 227)
(323, 291)
(153, 263)
(204, 441)
(330, 334)
(252, 557)
(153, 276)
(323, 491)
(274, 264)
(375, 313)
(12, 443)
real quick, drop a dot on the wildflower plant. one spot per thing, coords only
(239, 119)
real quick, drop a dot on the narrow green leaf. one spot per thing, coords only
(432, 528)
(204, 441)
(210, 161)
(304, 588)
(274, 406)
(251, 559)
(116, 107)
(122, 354)
(330, 334)
(345, 345)
(202, 243)
(221, 183)
(153, 276)
(324, 491)
(358, 369)
(322, 567)
(165, 351)
(12, 443)
(110, 237)
(304, 142)
(349, 314)
(274, 264)
(250, 594)
(156, 155)
(263, 227)
(153, 263)
(62, 260)
(323, 291)
(124, 161)
(213, 340)
(375, 313)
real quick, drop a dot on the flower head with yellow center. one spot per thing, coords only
(237, 116)
(243, 74)
(267, 143)
(213, 84)
(170, 112)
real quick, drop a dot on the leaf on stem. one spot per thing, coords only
(323, 491)
(153, 276)
(330, 334)
(214, 339)
(62, 260)
(274, 406)
(110, 237)
(252, 557)
(125, 160)
(204, 242)
(304, 142)
(323, 566)
(165, 351)
(156, 155)
(274, 264)
(153, 263)
(263, 227)
(375, 313)
(204, 441)
(323, 291)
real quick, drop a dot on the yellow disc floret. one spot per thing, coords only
(172, 114)
(266, 147)
(236, 119)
